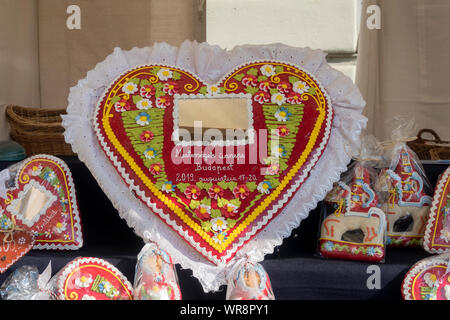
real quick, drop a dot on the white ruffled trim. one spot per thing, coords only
(211, 63)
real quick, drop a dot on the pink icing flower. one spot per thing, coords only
(215, 191)
(282, 131)
(230, 211)
(162, 102)
(294, 98)
(146, 136)
(122, 105)
(171, 87)
(261, 97)
(203, 212)
(272, 169)
(241, 191)
(155, 169)
(192, 192)
(266, 85)
(284, 87)
(249, 80)
(147, 91)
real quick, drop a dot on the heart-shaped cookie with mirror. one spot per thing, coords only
(217, 163)
(40, 196)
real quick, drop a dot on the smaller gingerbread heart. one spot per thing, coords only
(40, 194)
(90, 278)
(437, 232)
(428, 279)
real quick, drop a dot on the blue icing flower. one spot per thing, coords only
(150, 153)
(329, 246)
(143, 119)
(371, 251)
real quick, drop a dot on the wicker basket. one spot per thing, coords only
(426, 149)
(38, 130)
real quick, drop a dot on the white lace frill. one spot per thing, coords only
(211, 63)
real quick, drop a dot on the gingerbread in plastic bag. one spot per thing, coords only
(354, 226)
(405, 189)
(355, 229)
(155, 277)
(249, 281)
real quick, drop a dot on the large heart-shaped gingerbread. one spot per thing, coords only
(437, 233)
(217, 193)
(41, 197)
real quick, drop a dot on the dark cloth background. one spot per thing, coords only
(295, 270)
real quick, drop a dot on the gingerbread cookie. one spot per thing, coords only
(250, 282)
(356, 228)
(155, 277)
(437, 233)
(406, 200)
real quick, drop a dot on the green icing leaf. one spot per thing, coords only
(159, 93)
(251, 90)
(182, 186)
(155, 70)
(239, 76)
(206, 201)
(251, 186)
(159, 184)
(235, 202)
(293, 79)
(223, 184)
(158, 85)
(136, 99)
(279, 69)
(222, 202)
(203, 90)
(204, 185)
(194, 204)
(176, 75)
(262, 78)
(206, 226)
(273, 91)
(253, 72)
(232, 185)
(135, 81)
(215, 213)
(145, 82)
(115, 99)
(312, 91)
(231, 223)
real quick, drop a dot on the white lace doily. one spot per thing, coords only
(211, 63)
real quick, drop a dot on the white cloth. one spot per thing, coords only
(211, 63)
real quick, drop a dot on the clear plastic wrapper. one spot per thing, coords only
(25, 283)
(249, 281)
(404, 188)
(155, 276)
(353, 225)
